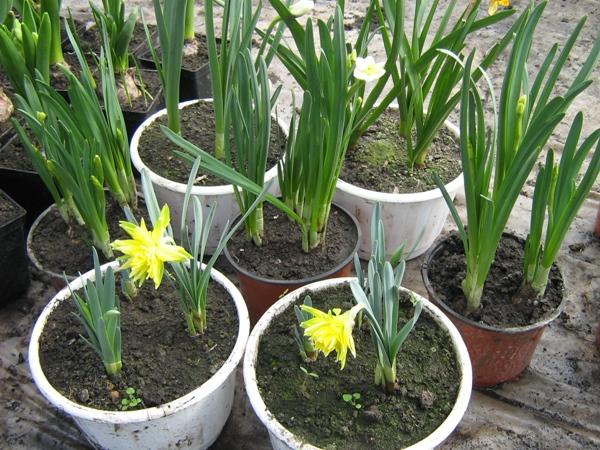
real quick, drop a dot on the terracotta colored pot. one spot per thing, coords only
(497, 354)
(597, 227)
(260, 293)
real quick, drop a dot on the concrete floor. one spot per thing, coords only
(555, 404)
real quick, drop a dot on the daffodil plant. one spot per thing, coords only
(119, 29)
(98, 309)
(558, 194)
(305, 346)
(147, 251)
(496, 166)
(377, 295)
(25, 48)
(237, 26)
(361, 69)
(170, 19)
(318, 136)
(424, 76)
(84, 146)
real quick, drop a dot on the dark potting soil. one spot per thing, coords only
(313, 408)
(378, 160)
(90, 39)
(198, 127)
(160, 360)
(147, 81)
(60, 249)
(281, 256)
(58, 80)
(191, 62)
(8, 209)
(14, 156)
(499, 304)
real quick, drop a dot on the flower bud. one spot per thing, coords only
(301, 7)
(41, 116)
(521, 104)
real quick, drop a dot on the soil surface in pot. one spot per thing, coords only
(60, 249)
(58, 80)
(198, 127)
(8, 209)
(281, 256)
(378, 160)
(498, 308)
(147, 81)
(191, 61)
(160, 360)
(14, 156)
(91, 41)
(313, 408)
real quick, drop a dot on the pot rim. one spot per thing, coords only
(8, 141)
(273, 425)
(31, 254)
(306, 280)
(147, 414)
(20, 213)
(181, 187)
(448, 310)
(414, 197)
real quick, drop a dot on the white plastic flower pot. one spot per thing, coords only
(283, 439)
(173, 193)
(193, 421)
(409, 219)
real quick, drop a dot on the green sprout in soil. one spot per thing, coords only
(352, 399)
(130, 400)
(305, 346)
(309, 373)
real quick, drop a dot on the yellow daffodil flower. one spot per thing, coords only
(367, 69)
(301, 8)
(147, 251)
(331, 331)
(494, 5)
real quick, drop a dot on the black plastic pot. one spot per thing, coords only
(194, 82)
(133, 119)
(25, 187)
(14, 269)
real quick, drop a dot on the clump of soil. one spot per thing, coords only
(313, 408)
(160, 360)
(378, 160)
(281, 256)
(198, 127)
(499, 304)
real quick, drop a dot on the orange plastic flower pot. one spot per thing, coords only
(260, 293)
(497, 354)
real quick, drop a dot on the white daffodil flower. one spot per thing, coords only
(367, 69)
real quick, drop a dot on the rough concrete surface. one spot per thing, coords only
(555, 404)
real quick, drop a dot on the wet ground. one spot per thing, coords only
(555, 404)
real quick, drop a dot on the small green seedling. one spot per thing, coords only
(309, 373)
(352, 399)
(131, 400)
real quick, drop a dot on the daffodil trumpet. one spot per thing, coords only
(331, 331)
(147, 251)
